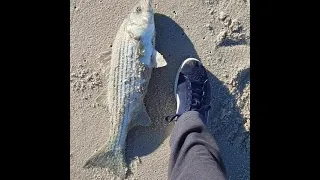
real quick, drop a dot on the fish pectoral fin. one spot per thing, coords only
(141, 117)
(140, 49)
(158, 60)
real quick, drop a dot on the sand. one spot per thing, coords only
(216, 32)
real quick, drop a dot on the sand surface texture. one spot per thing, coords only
(217, 32)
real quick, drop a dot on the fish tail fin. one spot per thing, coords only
(110, 158)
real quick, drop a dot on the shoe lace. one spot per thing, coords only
(197, 94)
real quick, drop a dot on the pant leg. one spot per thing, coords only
(194, 152)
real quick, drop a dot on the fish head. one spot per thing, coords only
(141, 20)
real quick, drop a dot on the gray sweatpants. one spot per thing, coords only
(194, 151)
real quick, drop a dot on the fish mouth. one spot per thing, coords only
(146, 5)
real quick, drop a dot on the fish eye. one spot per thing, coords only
(138, 9)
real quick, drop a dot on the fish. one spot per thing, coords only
(132, 59)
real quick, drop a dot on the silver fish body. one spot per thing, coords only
(133, 57)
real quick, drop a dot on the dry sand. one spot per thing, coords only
(215, 31)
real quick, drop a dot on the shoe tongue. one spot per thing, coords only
(195, 84)
(194, 75)
(191, 71)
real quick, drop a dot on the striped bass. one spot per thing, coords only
(132, 59)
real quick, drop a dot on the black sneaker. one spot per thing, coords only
(192, 89)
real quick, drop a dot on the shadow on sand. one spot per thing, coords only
(233, 141)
